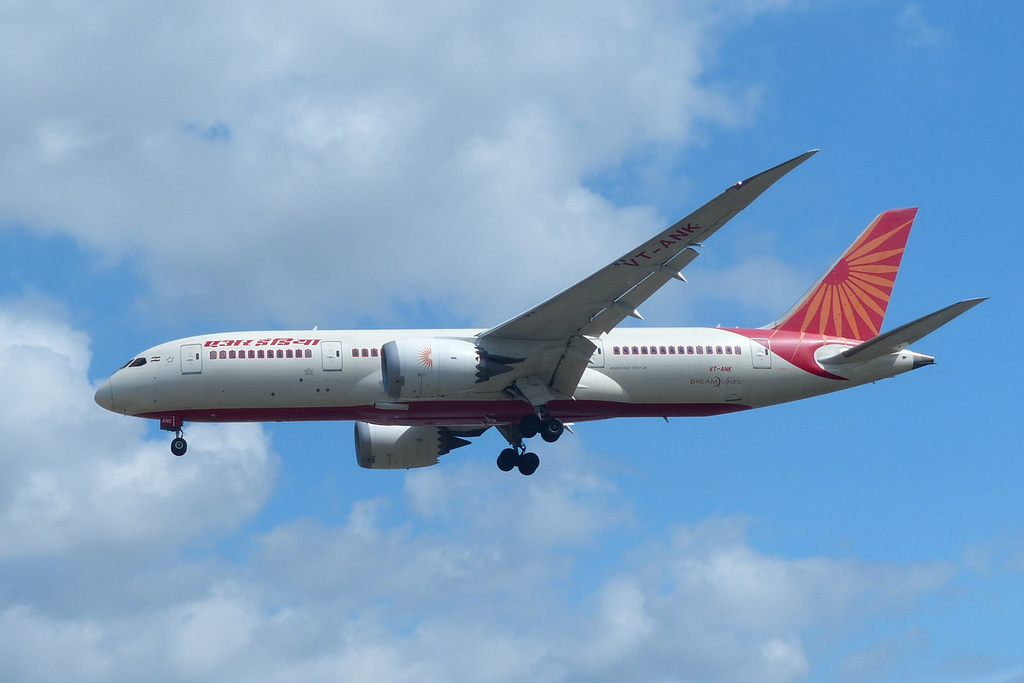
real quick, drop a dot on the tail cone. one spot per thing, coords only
(921, 360)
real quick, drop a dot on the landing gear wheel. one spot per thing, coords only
(179, 446)
(530, 425)
(507, 460)
(528, 464)
(551, 429)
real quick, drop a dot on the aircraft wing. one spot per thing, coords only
(598, 303)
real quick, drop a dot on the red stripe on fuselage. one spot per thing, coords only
(455, 413)
(797, 347)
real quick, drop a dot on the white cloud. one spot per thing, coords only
(78, 479)
(918, 30)
(256, 158)
(884, 658)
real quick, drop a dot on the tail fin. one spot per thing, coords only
(851, 298)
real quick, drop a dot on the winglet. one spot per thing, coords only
(775, 172)
(735, 199)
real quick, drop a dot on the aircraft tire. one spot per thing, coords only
(179, 446)
(507, 460)
(529, 426)
(528, 464)
(551, 430)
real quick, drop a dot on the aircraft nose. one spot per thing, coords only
(105, 396)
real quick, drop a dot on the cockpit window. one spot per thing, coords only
(138, 362)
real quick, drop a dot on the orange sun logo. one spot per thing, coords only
(850, 301)
(425, 358)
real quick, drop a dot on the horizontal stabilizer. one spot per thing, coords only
(897, 339)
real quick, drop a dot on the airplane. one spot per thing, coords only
(416, 395)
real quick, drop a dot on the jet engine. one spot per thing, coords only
(433, 367)
(392, 447)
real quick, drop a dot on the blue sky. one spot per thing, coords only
(167, 171)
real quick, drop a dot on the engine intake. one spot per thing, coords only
(391, 447)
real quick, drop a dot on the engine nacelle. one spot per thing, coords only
(429, 367)
(391, 447)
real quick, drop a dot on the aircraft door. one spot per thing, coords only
(330, 351)
(761, 353)
(191, 359)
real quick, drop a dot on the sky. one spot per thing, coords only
(170, 169)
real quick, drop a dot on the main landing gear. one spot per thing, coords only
(530, 426)
(511, 458)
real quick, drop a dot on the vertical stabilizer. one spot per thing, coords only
(851, 298)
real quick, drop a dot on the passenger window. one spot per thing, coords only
(373, 352)
(739, 351)
(662, 350)
(259, 354)
(643, 350)
(366, 353)
(223, 355)
(309, 353)
(252, 354)
(728, 350)
(213, 355)
(718, 350)
(671, 350)
(355, 353)
(280, 353)
(689, 349)
(288, 353)
(636, 350)
(616, 350)
(700, 350)
(709, 350)
(231, 353)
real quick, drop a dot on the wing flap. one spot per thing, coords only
(572, 365)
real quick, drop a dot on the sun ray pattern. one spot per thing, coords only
(850, 300)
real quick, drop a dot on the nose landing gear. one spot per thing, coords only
(179, 445)
(174, 424)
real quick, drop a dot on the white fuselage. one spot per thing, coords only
(328, 375)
